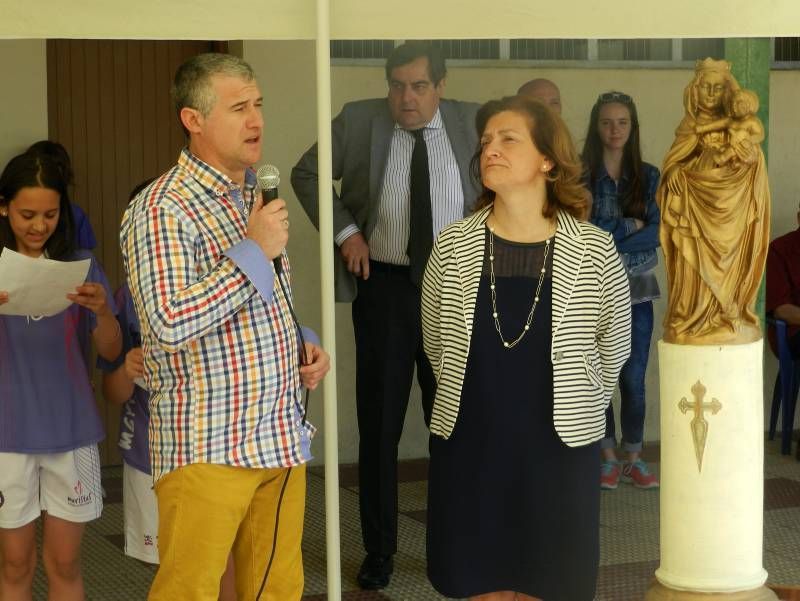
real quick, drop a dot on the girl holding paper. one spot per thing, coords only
(49, 426)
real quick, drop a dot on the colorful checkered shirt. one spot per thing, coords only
(221, 350)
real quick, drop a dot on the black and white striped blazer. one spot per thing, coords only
(591, 322)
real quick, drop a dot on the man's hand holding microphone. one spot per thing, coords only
(268, 226)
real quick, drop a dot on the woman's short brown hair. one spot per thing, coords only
(565, 189)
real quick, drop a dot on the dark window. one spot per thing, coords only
(635, 50)
(787, 49)
(468, 49)
(361, 48)
(703, 48)
(549, 50)
(452, 49)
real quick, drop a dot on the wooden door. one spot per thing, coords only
(109, 105)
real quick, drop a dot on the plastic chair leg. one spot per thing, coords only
(776, 406)
(788, 402)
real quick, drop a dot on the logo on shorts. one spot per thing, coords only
(80, 498)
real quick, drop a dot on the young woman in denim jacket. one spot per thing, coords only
(623, 190)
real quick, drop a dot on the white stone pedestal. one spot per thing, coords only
(712, 464)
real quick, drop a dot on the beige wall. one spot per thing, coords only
(286, 73)
(357, 19)
(23, 119)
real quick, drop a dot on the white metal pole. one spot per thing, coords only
(324, 169)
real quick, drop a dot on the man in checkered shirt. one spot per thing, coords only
(228, 435)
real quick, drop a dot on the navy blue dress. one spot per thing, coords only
(510, 506)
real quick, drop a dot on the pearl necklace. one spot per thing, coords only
(495, 314)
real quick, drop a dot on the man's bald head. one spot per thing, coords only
(543, 90)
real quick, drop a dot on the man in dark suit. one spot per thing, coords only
(403, 162)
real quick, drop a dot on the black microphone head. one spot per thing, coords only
(268, 177)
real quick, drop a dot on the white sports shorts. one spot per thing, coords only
(141, 515)
(65, 485)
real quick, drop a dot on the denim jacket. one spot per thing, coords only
(638, 248)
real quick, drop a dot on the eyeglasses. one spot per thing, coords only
(614, 97)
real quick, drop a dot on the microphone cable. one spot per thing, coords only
(274, 535)
(303, 361)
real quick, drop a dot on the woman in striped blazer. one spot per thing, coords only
(526, 322)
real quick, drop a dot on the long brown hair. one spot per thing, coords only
(565, 190)
(633, 203)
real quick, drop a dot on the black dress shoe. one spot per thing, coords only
(375, 571)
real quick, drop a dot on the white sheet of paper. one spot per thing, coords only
(38, 286)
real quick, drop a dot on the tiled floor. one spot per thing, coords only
(629, 538)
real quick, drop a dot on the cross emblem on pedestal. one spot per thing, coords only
(699, 424)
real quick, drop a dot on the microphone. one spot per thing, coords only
(268, 178)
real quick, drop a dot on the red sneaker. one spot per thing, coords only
(638, 474)
(609, 475)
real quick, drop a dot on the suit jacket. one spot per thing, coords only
(591, 322)
(362, 134)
